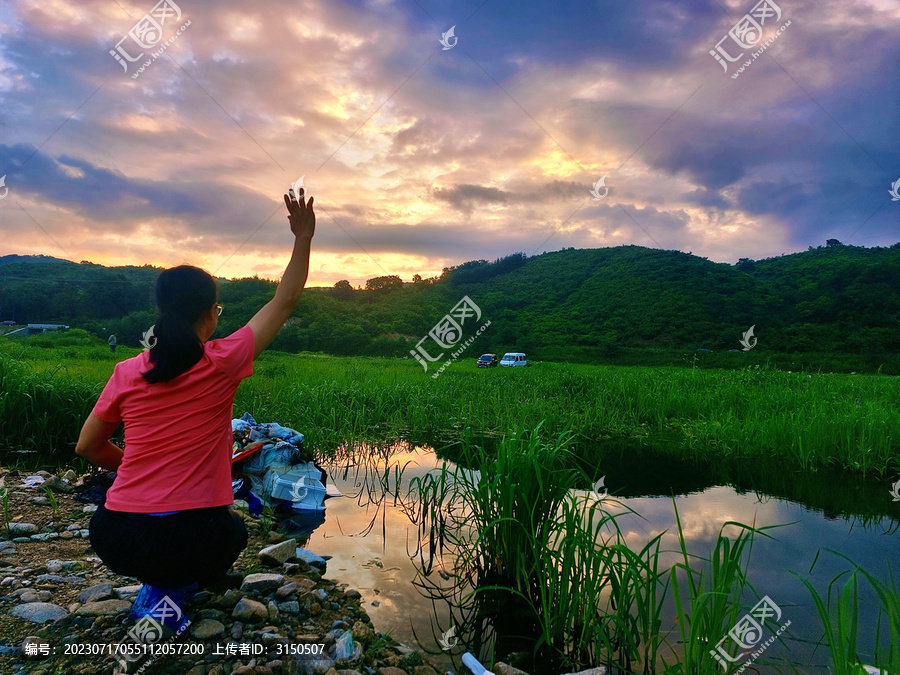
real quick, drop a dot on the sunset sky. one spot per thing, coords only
(422, 157)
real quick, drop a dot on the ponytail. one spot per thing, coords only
(183, 294)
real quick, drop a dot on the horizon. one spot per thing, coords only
(361, 286)
(531, 129)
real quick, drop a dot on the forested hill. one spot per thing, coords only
(575, 305)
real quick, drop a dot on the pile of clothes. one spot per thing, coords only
(270, 466)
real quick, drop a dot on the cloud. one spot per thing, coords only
(421, 158)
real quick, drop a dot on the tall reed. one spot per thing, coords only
(516, 527)
(839, 613)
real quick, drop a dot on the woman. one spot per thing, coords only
(167, 518)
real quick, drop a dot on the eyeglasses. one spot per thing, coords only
(220, 309)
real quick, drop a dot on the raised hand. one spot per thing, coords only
(300, 214)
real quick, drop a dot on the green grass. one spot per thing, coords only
(541, 567)
(758, 416)
(839, 613)
(530, 546)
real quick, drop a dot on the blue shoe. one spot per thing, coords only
(164, 606)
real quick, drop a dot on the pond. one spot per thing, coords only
(370, 535)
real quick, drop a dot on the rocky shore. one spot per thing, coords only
(63, 611)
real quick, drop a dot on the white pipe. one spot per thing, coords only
(470, 662)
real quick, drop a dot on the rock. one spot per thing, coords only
(197, 670)
(103, 607)
(56, 579)
(352, 593)
(39, 612)
(278, 554)
(70, 476)
(310, 558)
(57, 566)
(210, 613)
(22, 529)
(90, 508)
(237, 630)
(289, 607)
(85, 533)
(31, 595)
(67, 535)
(98, 592)
(264, 583)
(362, 633)
(600, 670)
(127, 592)
(57, 484)
(201, 598)
(45, 536)
(230, 598)
(428, 670)
(390, 670)
(250, 610)
(284, 592)
(7, 548)
(207, 629)
(305, 585)
(272, 609)
(501, 668)
(42, 644)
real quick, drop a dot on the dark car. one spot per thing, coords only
(487, 360)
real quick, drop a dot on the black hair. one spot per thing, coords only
(183, 294)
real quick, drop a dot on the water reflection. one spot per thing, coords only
(375, 544)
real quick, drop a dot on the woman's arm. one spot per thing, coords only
(266, 323)
(94, 444)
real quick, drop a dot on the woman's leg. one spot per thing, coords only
(193, 546)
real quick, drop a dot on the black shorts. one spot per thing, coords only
(192, 546)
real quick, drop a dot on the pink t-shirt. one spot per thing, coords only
(178, 433)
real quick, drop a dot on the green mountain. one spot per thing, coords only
(621, 304)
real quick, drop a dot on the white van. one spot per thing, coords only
(513, 359)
